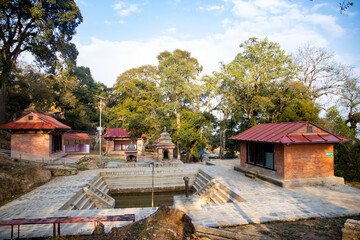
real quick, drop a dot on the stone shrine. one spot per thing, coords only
(165, 147)
(131, 153)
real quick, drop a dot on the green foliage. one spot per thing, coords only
(335, 123)
(135, 100)
(347, 161)
(44, 28)
(253, 80)
(347, 155)
(178, 82)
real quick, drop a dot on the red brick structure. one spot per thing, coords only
(289, 154)
(117, 141)
(37, 134)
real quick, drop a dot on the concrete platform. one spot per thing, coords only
(264, 202)
(291, 183)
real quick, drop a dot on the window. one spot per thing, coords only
(309, 129)
(30, 118)
(260, 154)
(56, 143)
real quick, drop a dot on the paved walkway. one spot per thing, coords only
(264, 202)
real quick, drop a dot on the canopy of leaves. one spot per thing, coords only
(135, 98)
(255, 83)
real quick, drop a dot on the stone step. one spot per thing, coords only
(101, 199)
(78, 201)
(85, 204)
(251, 174)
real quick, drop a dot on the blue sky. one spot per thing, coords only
(118, 35)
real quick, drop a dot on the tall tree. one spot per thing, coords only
(178, 73)
(319, 71)
(350, 99)
(135, 99)
(254, 85)
(41, 27)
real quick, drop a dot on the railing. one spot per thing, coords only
(58, 220)
(37, 158)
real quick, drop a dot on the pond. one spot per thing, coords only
(143, 199)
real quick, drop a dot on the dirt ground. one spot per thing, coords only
(19, 177)
(314, 228)
(307, 229)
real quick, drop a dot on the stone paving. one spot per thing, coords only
(264, 202)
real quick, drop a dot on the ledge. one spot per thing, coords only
(293, 182)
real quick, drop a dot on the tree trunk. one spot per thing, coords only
(3, 97)
(191, 151)
(222, 143)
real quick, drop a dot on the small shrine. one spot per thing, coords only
(165, 147)
(131, 153)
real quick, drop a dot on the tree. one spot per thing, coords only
(178, 73)
(248, 80)
(84, 114)
(347, 154)
(350, 99)
(135, 99)
(29, 89)
(41, 27)
(319, 71)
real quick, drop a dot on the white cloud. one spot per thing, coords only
(107, 22)
(125, 9)
(287, 24)
(171, 30)
(246, 10)
(216, 8)
(318, 6)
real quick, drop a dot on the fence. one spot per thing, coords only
(38, 158)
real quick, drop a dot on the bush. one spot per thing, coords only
(347, 161)
(229, 155)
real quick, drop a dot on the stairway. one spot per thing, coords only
(101, 199)
(201, 180)
(100, 184)
(92, 196)
(252, 174)
(212, 191)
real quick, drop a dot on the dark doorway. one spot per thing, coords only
(166, 154)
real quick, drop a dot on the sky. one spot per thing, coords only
(116, 36)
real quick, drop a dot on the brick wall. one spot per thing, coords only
(279, 159)
(109, 146)
(303, 129)
(242, 154)
(308, 161)
(37, 144)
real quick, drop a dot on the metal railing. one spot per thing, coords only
(37, 158)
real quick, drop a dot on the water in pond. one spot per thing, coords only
(138, 200)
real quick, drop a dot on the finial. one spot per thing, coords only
(165, 129)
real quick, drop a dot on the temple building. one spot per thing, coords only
(36, 134)
(118, 140)
(289, 154)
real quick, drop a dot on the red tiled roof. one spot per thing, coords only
(76, 136)
(281, 133)
(47, 123)
(119, 132)
(116, 132)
